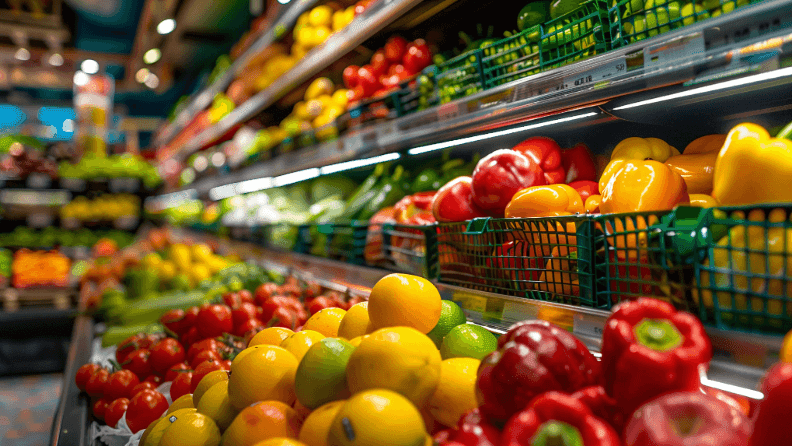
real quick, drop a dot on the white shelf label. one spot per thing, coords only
(448, 111)
(603, 73)
(587, 328)
(669, 52)
(359, 140)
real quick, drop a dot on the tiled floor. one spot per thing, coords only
(27, 406)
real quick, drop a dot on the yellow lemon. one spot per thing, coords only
(401, 359)
(207, 382)
(180, 255)
(320, 16)
(153, 433)
(262, 421)
(316, 427)
(200, 253)
(320, 86)
(299, 343)
(190, 429)
(216, 405)
(199, 272)
(266, 373)
(377, 417)
(152, 261)
(356, 340)
(404, 300)
(167, 270)
(355, 321)
(340, 98)
(182, 402)
(456, 392)
(280, 441)
(326, 321)
(244, 353)
(270, 336)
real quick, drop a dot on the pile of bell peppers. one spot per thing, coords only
(542, 387)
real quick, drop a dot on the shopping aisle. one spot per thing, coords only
(27, 406)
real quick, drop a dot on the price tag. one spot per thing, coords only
(38, 181)
(39, 220)
(358, 141)
(602, 73)
(385, 130)
(515, 312)
(677, 49)
(448, 111)
(587, 328)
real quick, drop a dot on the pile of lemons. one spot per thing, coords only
(367, 376)
(194, 263)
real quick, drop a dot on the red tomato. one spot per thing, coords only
(95, 386)
(245, 295)
(126, 347)
(174, 320)
(291, 288)
(198, 347)
(242, 313)
(231, 299)
(379, 63)
(226, 363)
(154, 379)
(202, 370)
(138, 363)
(389, 82)
(181, 385)
(283, 317)
(120, 385)
(205, 355)
(115, 411)
(175, 370)
(190, 337)
(214, 320)
(83, 373)
(144, 408)
(319, 304)
(166, 353)
(249, 335)
(267, 290)
(418, 56)
(145, 385)
(312, 290)
(190, 316)
(350, 81)
(249, 325)
(268, 308)
(395, 48)
(100, 408)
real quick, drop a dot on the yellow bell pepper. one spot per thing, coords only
(592, 204)
(643, 149)
(786, 348)
(753, 262)
(752, 168)
(702, 201)
(697, 163)
(555, 200)
(638, 185)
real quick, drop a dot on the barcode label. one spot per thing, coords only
(587, 328)
(678, 49)
(603, 73)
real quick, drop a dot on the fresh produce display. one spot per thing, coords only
(322, 103)
(113, 166)
(24, 237)
(106, 207)
(40, 269)
(20, 161)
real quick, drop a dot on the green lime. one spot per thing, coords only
(450, 316)
(468, 341)
(321, 375)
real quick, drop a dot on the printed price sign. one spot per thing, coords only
(359, 140)
(448, 111)
(678, 49)
(602, 73)
(587, 328)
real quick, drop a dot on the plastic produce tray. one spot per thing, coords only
(461, 76)
(575, 36)
(409, 249)
(338, 241)
(540, 258)
(512, 58)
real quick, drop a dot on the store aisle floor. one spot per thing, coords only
(27, 406)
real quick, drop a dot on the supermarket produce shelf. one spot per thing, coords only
(201, 99)
(72, 419)
(379, 15)
(740, 358)
(683, 62)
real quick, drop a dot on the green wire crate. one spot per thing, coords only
(512, 58)
(409, 249)
(538, 258)
(338, 241)
(744, 268)
(639, 254)
(634, 20)
(461, 76)
(575, 36)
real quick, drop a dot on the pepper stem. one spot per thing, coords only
(557, 433)
(658, 334)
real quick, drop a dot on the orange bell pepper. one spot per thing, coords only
(592, 204)
(753, 168)
(702, 201)
(643, 149)
(555, 200)
(697, 163)
(560, 275)
(645, 185)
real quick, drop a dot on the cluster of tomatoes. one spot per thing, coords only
(200, 340)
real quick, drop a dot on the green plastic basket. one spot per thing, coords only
(338, 241)
(575, 36)
(744, 276)
(638, 255)
(539, 258)
(512, 58)
(634, 20)
(461, 76)
(409, 249)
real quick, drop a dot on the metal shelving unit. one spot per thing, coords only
(72, 420)
(683, 62)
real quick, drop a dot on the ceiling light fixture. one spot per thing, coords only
(152, 56)
(22, 54)
(348, 165)
(166, 26)
(90, 66)
(55, 60)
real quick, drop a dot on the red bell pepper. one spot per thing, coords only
(546, 153)
(772, 414)
(688, 419)
(413, 204)
(557, 419)
(579, 164)
(520, 262)
(585, 188)
(454, 202)
(629, 281)
(648, 349)
(500, 175)
(372, 252)
(601, 405)
(533, 357)
(472, 430)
